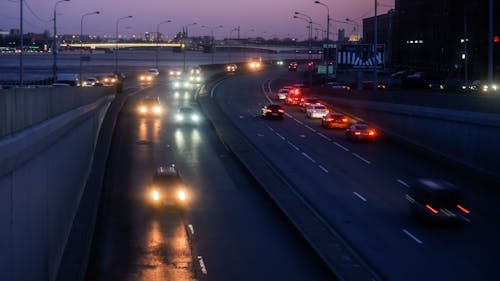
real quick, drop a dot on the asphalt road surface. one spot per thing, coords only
(360, 188)
(230, 231)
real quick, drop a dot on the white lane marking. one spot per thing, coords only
(288, 114)
(294, 146)
(281, 137)
(324, 136)
(202, 265)
(298, 121)
(341, 146)
(403, 183)
(359, 196)
(323, 168)
(361, 158)
(260, 135)
(310, 128)
(191, 228)
(303, 136)
(466, 219)
(308, 157)
(270, 129)
(412, 236)
(241, 116)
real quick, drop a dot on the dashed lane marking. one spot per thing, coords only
(191, 229)
(361, 158)
(293, 145)
(280, 136)
(341, 146)
(403, 183)
(308, 157)
(412, 236)
(323, 168)
(202, 265)
(325, 137)
(359, 196)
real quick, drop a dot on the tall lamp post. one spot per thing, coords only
(158, 40)
(21, 43)
(116, 46)
(327, 55)
(231, 36)
(310, 30)
(309, 33)
(54, 42)
(183, 46)
(81, 39)
(212, 28)
(356, 24)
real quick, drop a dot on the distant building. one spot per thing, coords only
(431, 35)
(341, 34)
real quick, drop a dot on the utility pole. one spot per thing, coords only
(490, 44)
(375, 48)
(21, 67)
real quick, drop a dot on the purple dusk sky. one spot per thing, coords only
(266, 18)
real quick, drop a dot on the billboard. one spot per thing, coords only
(359, 56)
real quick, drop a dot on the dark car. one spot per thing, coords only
(335, 120)
(293, 66)
(273, 111)
(437, 200)
(305, 102)
(360, 132)
(150, 106)
(168, 188)
(370, 85)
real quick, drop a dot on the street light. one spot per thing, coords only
(54, 42)
(212, 28)
(356, 24)
(116, 47)
(81, 39)
(186, 28)
(310, 29)
(158, 39)
(327, 27)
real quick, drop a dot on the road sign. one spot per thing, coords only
(360, 56)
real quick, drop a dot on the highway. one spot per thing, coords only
(230, 231)
(360, 188)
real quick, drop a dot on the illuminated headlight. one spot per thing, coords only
(198, 78)
(149, 78)
(485, 88)
(176, 84)
(178, 73)
(464, 87)
(179, 117)
(157, 109)
(191, 78)
(186, 95)
(106, 80)
(142, 78)
(280, 62)
(187, 84)
(181, 195)
(176, 94)
(143, 109)
(171, 73)
(441, 87)
(113, 80)
(195, 117)
(494, 87)
(155, 195)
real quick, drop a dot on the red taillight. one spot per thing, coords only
(327, 111)
(302, 100)
(463, 209)
(269, 110)
(281, 110)
(357, 133)
(329, 119)
(344, 119)
(429, 207)
(371, 133)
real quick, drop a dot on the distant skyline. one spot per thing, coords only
(254, 19)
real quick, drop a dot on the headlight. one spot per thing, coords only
(195, 117)
(198, 78)
(142, 78)
(171, 73)
(176, 84)
(186, 95)
(179, 117)
(191, 78)
(176, 94)
(186, 84)
(157, 109)
(113, 80)
(494, 87)
(155, 195)
(143, 109)
(181, 194)
(178, 73)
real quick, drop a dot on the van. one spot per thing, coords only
(67, 79)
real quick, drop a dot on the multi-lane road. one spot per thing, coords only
(231, 230)
(360, 188)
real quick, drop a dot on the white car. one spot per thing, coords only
(281, 94)
(316, 111)
(154, 71)
(90, 82)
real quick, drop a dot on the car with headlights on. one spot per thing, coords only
(109, 80)
(154, 72)
(182, 84)
(437, 200)
(360, 132)
(231, 67)
(150, 106)
(195, 75)
(187, 115)
(91, 82)
(146, 78)
(316, 111)
(335, 120)
(272, 111)
(168, 188)
(175, 73)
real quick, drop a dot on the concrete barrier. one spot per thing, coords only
(43, 171)
(24, 107)
(465, 137)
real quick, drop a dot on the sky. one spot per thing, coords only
(264, 18)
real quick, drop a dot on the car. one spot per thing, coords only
(69, 79)
(292, 66)
(175, 73)
(182, 84)
(335, 120)
(231, 67)
(337, 86)
(294, 97)
(195, 75)
(150, 106)
(187, 115)
(370, 85)
(437, 200)
(281, 94)
(360, 132)
(316, 111)
(273, 111)
(168, 188)
(154, 72)
(306, 102)
(145, 78)
(109, 80)
(91, 82)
